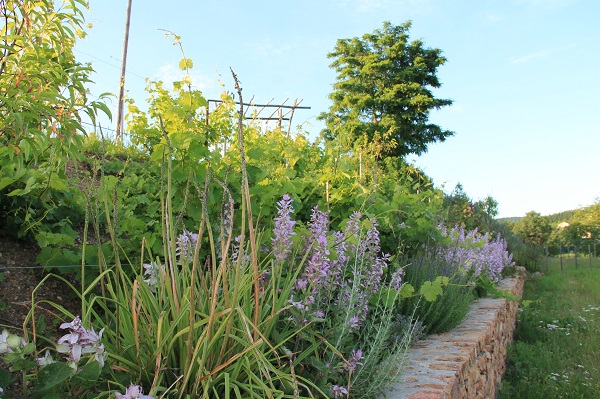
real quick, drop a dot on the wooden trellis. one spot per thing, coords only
(281, 113)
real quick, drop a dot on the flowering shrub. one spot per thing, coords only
(342, 296)
(476, 253)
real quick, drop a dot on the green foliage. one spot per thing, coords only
(554, 354)
(41, 110)
(452, 300)
(534, 231)
(461, 210)
(382, 96)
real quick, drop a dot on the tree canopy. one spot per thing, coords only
(533, 229)
(382, 96)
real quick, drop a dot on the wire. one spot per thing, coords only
(108, 63)
(4, 268)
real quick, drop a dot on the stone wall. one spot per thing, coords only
(467, 362)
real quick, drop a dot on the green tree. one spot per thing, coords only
(382, 97)
(533, 229)
(462, 210)
(42, 100)
(588, 219)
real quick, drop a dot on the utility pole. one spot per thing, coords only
(119, 127)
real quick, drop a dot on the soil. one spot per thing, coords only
(20, 276)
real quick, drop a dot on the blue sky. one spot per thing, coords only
(523, 74)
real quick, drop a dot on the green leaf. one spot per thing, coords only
(432, 289)
(52, 375)
(186, 63)
(407, 291)
(88, 375)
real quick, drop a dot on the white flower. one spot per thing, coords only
(46, 360)
(9, 342)
(133, 392)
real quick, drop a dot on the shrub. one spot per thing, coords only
(451, 308)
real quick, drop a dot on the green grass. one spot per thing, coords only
(556, 352)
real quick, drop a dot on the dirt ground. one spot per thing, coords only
(20, 279)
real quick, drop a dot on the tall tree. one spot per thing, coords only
(533, 229)
(382, 96)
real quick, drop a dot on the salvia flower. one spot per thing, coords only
(151, 271)
(80, 341)
(186, 244)
(283, 229)
(339, 391)
(133, 392)
(354, 361)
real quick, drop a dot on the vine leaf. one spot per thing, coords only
(432, 289)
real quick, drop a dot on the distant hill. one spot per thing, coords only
(560, 217)
(555, 218)
(513, 219)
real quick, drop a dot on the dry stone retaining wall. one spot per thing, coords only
(467, 362)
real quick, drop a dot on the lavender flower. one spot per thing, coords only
(283, 229)
(133, 392)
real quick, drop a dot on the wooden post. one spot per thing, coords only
(122, 80)
(560, 257)
(546, 259)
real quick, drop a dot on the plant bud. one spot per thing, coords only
(13, 341)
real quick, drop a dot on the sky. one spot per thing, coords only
(523, 76)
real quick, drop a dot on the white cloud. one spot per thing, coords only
(527, 58)
(267, 48)
(170, 73)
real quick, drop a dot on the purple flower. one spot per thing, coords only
(186, 245)
(354, 322)
(46, 360)
(80, 341)
(133, 392)
(283, 229)
(475, 253)
(339, 391)
(354, 361)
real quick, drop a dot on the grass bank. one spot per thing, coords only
(556, 352)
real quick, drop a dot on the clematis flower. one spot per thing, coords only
(133, 392)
